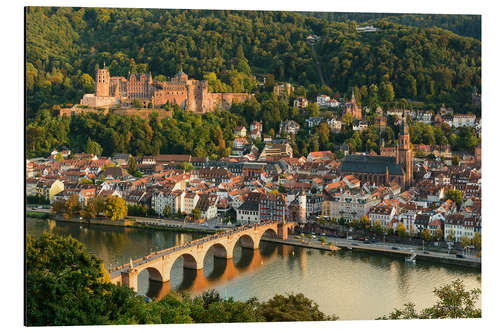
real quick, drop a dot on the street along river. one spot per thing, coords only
(349, 284)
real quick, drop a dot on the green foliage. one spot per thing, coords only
(293, 307)
(401, 230)
(454, 301)
(65, 46)
(167, 211)
(140, 210)
(465, 25)
(93, 147)
(65, 285)
(196, 213)
(476, 240)
(114, 208)
(427, 235)
(37, 200)
(454, 195)
(132, 167)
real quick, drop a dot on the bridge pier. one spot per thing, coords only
(129, 279)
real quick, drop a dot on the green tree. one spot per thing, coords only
(378, 228)
(196, 213)
(186, 166)
(465, 241)
(293, 307)
(439, 233)
(59, 206)
(167, 211)
(92, 209)
(86, 82)
(365, 222)
(93, 147)
(476, 240)
(65, 284)
(115, 208)
(137, 103)
(73, 206)
(132, 167)
(455, 196)
(426, 234)
(401, 230)
(450, 236)
(454, 301)
(59, 157)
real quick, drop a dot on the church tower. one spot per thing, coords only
(102, 83)
(404, 153)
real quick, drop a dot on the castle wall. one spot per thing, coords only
(192, 95)
(99, 101)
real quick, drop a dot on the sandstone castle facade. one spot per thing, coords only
(192, 95)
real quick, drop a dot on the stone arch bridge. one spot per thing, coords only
(159, 263)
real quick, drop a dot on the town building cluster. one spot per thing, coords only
(393, 187)
(276, 186)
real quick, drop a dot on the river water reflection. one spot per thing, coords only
(351, 285)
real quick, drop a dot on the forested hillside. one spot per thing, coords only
(397, 66)
(464, 25)
(65, 46)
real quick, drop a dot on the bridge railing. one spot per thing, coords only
(192, 243)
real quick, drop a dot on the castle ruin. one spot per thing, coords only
(192, 95)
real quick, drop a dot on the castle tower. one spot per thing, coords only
(102, 83)
(404, 154)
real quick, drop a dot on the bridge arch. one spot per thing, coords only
(269, 232)
(220, 251)
(153, 272)
(189, 261)
(249, 242)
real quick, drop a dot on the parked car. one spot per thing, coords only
(459, 255)
(395, 248)
(362, 239)
(374, 240)
(426, 252)
(366, 241)
(323, 234)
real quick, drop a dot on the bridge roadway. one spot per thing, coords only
(159, 263)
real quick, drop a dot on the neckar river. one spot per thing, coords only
(349, 284)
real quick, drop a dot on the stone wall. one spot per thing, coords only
(142, 113)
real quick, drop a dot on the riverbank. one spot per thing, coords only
(429, 257)
(131, 223)
(296, 242)
(38, 215)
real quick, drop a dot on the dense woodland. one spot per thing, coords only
(398, 66)
(464, 25)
